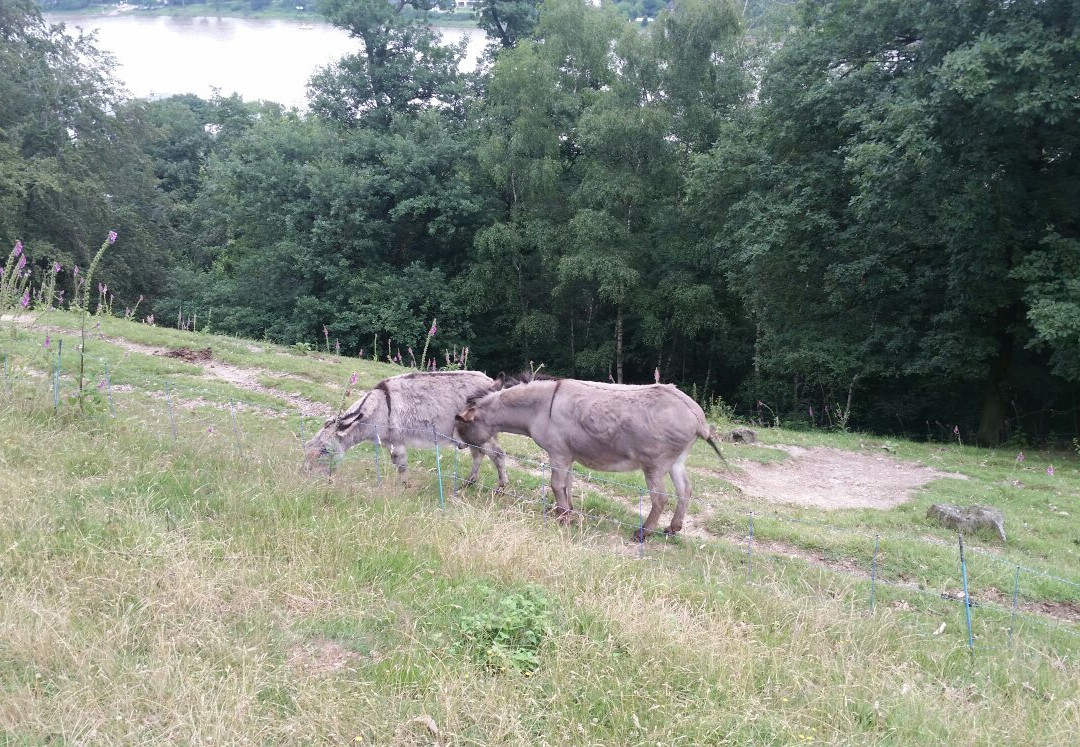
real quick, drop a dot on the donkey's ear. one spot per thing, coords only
(500, 381)
(466, 416)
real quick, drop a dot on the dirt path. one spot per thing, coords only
(833, 479)
(237, 376)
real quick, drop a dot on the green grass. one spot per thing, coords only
(203, 589)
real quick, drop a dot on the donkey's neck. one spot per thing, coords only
(521, 408)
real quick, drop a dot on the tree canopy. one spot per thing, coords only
(859, 213)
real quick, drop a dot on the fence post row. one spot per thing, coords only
(873, 572)
(1016, 593)
(172, 419)
(967, 598)
(438, 467)
(543, 492)
(749, 548)
(108, 391)
(378, 472)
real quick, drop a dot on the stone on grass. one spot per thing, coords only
(968, 519)
(740, 436)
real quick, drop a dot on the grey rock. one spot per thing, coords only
(740, 436)
(968, 519)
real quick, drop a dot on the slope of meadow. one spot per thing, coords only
(170, 576)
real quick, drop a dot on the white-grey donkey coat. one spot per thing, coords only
(406, 410)
(609, 427)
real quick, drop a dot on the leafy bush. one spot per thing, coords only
(511, 636)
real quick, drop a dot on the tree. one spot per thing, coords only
(70, 163)
(910, 162)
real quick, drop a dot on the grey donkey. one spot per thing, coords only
(406, 410)
(609, 427)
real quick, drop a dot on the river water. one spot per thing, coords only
(258, 59)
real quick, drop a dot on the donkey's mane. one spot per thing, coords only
(523, 378)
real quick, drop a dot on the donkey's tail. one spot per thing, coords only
(709, 439)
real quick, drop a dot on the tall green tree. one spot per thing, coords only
(913, 163)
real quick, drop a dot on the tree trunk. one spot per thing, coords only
(618, 344)
(993, 407)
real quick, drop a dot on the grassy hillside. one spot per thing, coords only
(199, 588)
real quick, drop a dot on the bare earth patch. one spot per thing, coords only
(833, 479)
(319, 656)
(188, 355)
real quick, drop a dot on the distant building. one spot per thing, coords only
(466, 4)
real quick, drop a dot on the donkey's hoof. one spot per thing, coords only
(673, 530)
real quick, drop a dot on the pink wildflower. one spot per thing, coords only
(352, 379)
(75, 271)
(56, 267)
(22, 262)
(1050, 470)
(434, 328)
(47, 340)
(101, 385)
(656, 375)
(1020, 457)
(210, 430)
(112, 237)
(25, 302)
(956, 430)
(18, 248)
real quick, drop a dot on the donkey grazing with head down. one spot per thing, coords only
(609, 427)
(413, 409)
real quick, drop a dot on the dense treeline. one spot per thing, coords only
(859, 213)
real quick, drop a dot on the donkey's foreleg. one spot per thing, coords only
(400, 457)
(498, 458)
(477, 458)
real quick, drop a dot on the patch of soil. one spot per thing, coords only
(1064, 611)
(320, 656)
(188, 355)
(832, 479)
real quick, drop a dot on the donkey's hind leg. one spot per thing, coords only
(682, 488)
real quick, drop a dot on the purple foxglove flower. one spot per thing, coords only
(140, 298)
(47, 341)
(352, 379)
(1050, 470)
(56, 267)
(434, 329)
(811, 410)
(956, 430)
(75, 271)
(337, 346)
(656, 375)
(101, 385)
(18, 248)
(112, 237)
(210, 430)
(25, 302)
(1020, 457)
(22, 262)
